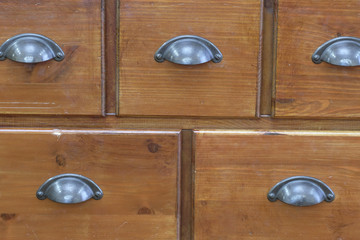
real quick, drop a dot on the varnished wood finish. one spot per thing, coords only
(72, 86)
(305, 89)
(228, 88)
(137, 172)
(236, 169)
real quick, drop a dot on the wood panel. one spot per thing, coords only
(305, 89)
(72, 86)
(137, 172)
(236, 169)
(148, 88)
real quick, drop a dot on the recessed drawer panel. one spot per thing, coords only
(236, 170)
(136, 171)
(226, 88)
(306, 89)
(46, 86)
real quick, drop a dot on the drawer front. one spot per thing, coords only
(137, 172)
(71, 86)
(227, 88)
(236, 170)
(305, 89)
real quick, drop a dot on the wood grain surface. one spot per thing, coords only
(137, 172)
(236, 169)
(148, 88)
(305, 89)
(72, 86)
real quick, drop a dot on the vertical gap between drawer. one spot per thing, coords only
(268, 58)
(109, 38)
(102, 57)
(275, 21)
(260, 62)
(186, 205)
(117, 58)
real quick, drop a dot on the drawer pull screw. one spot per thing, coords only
(330, 197)
(218, 57)
(40, 195)
(59, 55)
(98, 195)
(159, 57)
(272, 195)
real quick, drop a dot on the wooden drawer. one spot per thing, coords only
(137, 172)
(236, 169)
(305, 89)
(71, 86)
(226, 89)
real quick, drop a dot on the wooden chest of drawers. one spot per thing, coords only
(129, 142)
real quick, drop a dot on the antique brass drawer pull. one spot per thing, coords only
(341, 51)
(301, 191)
(30, 48)
(69, 188)
(188, 50)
